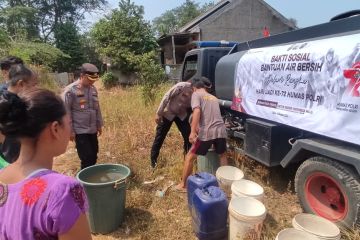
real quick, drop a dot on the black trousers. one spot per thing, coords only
(87, 147)
(161, 131)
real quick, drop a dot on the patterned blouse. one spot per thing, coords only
(42, 206)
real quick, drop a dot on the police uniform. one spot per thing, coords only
(174, 107)
(83, 105)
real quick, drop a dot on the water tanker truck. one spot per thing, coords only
(293, 99)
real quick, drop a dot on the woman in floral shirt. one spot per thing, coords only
(36, 202)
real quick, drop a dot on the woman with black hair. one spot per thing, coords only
(5, 65)
(21, 79)
(36, 202)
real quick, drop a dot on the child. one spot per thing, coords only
(207, 128)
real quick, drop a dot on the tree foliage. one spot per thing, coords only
(150, 74)
(173, 19)
(4, 42)
(294, 22)
(37, 22)
(128, 41)
(37, 53)
(20, 22)
(109, 80)
(49, 13)
(89, 50)
(67, 40)
(123, 35)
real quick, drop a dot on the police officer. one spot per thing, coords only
(81, 100)
(174, 107)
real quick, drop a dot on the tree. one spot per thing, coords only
(206, 6)
(124, 34)
(128, 40)
(187, 12)
(293, 21)
(4, 43)
(172, 20)
(20, 22)
(67, 40)
(89, 50)
(52, 13)
(37, 53)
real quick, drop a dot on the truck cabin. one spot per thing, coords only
(201, 61)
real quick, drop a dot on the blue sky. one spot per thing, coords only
(306, 12)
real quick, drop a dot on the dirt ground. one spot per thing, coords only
(127, 139)
(150, 217)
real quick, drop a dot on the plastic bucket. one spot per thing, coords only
(226, 175)
(208, 163)
(294, 234)
(246, 217)
(317, 226)
(105, 188)
(247, 188)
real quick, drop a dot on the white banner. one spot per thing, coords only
(312, 85)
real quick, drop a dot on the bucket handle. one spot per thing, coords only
(118, 183)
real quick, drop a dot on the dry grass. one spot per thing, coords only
(127, 139)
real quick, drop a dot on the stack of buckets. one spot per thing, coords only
(246, 210)
(209, 205)
(312, 227)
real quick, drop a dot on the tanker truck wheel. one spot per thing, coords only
(329, 189)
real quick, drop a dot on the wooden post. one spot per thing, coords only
(173, 47)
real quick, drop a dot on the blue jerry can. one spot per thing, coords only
(210, 213)
(199, 180)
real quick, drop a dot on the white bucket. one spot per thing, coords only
(318, 226)
(226, 175)
(246, 217)
(295, 234)
(247, 188)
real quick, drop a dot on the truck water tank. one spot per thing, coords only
(199, 180)
(225, 75)
(211, 213)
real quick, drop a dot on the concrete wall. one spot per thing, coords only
(243, 20)
(124, 79)
(168, 53)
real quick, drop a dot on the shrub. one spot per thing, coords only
(46, 78)
(109, 80)
(151, 76)
(37, 53)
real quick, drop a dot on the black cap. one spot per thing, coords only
(89, 68)
(91, 71)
